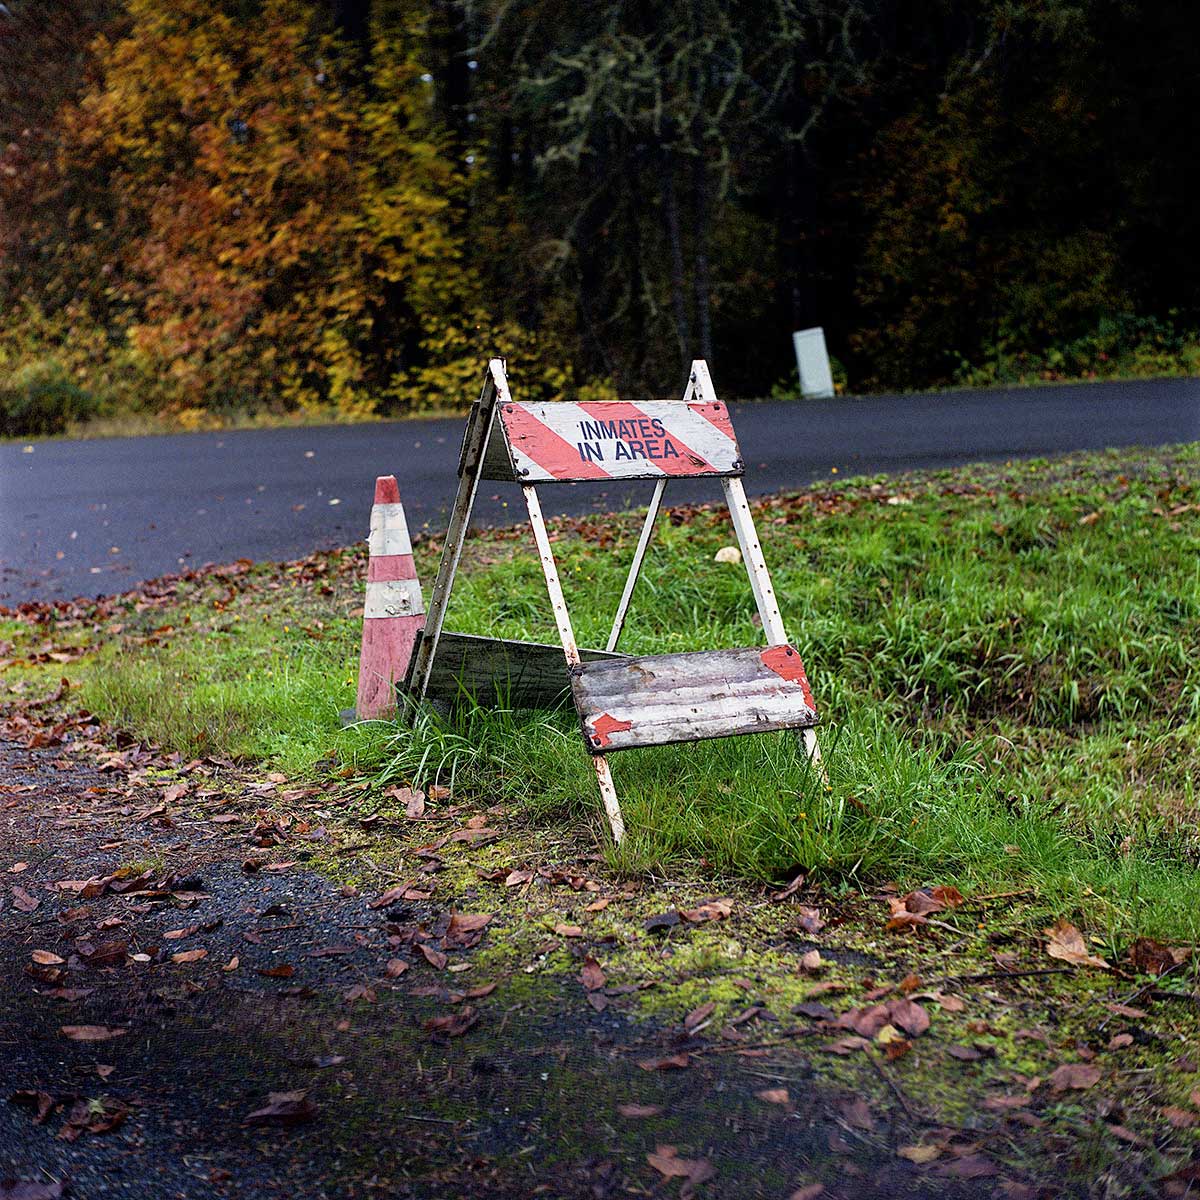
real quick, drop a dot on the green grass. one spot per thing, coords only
(1010, 686)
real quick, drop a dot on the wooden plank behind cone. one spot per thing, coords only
(657, 699)
(496, 671)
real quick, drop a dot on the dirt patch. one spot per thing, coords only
(411, 1086)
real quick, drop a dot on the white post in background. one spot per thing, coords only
(812, 361)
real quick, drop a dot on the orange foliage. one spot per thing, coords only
(262, 226)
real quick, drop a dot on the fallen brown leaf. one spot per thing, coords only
(914, 909)
(810, 1191)
(1066, 943)
(284, 1108)
(1126, 1010)
(920, 1154)
(592, 975)
(1127, 1135)
(412, 800)
(847, 1045)
(792, 888)
(92, 1033)
(673, 1062)
(69, 993)
(809, 919)
(1178, 1118)
(964, 1053)
(454, 1025)
(666, 1162)
(435, 958)
(698, 1016)
(25, 1189)
(856, 1112)
(41, 1103)
(1075, 1076)
(971, 1166)
(908, 1015)
(402, 891)
(91, 1116)
(1153, 958)
(638, 1111)
(709, 910)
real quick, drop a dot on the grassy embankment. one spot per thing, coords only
(1007, 661)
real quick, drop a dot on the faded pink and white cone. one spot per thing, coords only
(394, 610)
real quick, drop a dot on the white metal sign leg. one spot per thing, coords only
(495, 390)
(635, 567)
(608, 793)
(760, 582)
(562, 618)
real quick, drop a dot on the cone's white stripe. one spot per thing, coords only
(389, 531)
(394, 598)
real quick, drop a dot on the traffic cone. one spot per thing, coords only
(394, 611)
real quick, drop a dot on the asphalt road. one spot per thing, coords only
(82, 518)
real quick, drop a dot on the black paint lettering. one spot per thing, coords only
(660, 430)
(669, 450)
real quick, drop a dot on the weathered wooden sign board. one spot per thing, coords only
(622, 701)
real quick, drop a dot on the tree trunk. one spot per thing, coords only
(670, 207)
(452, 76)
(798, 222)
(701, 278)
(352, 19)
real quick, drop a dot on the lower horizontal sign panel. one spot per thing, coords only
(662, 698)
(498, 672)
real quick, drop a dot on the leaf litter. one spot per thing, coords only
(1151, 959)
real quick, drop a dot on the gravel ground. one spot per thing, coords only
(524, 1102)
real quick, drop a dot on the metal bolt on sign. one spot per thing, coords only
(623, 701)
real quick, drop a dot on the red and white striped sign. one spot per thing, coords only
(611, 439)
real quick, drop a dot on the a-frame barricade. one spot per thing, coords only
(623, 701)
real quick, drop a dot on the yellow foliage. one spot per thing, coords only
(272, 232)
